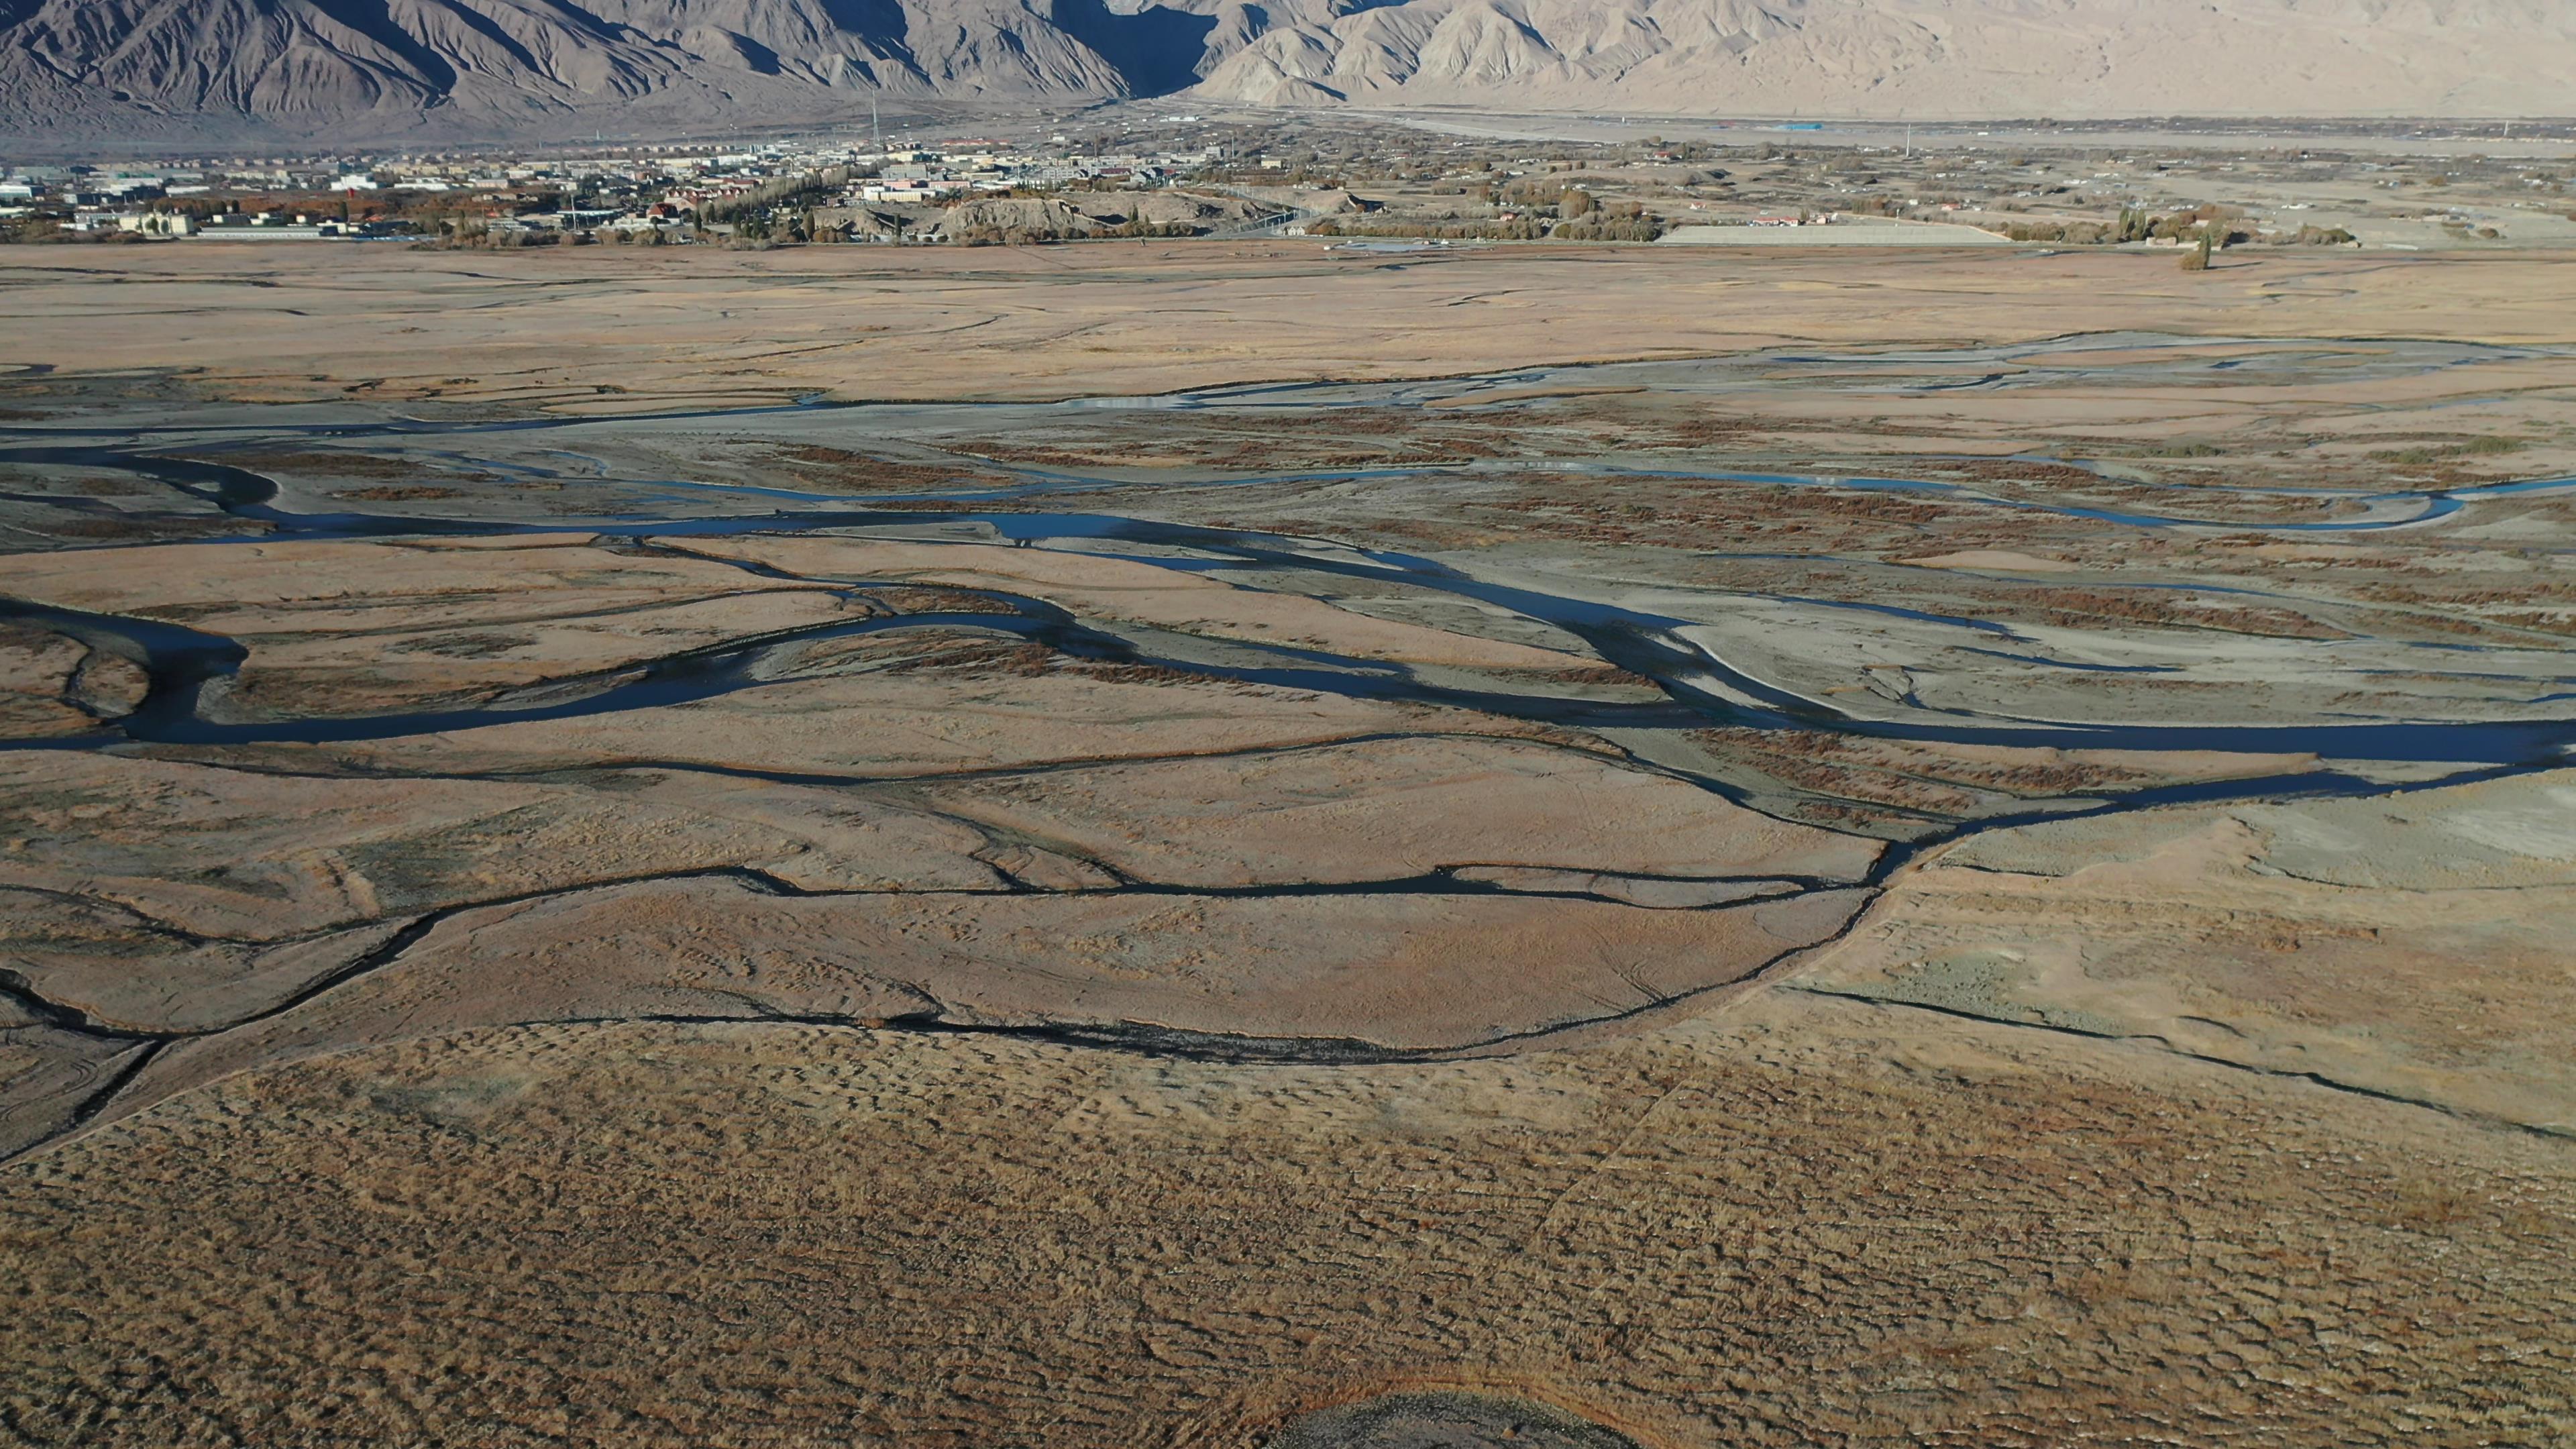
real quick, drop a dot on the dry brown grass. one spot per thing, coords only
(1818, 1224)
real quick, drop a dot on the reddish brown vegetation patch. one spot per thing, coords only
(841, 470)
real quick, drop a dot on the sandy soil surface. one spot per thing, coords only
(614, 331)
(1806, 1221)
(1975, 851)
(2410, 945)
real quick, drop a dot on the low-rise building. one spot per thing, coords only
(157, 223)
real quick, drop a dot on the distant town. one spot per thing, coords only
(647, 195)
(1182, 176)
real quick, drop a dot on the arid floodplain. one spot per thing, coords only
(1240, 843)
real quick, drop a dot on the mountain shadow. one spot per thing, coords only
(1156, 50)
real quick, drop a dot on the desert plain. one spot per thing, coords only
(1246, 843)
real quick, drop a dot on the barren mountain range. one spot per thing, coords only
(352, 68)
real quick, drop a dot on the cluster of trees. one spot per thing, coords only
(476, 234)
(1579, 216)
(2222, 221)
(1138, 226)
(1590, 220)
(1312, 170)
(1557, 191)
(996, 236)
(783, 191)
(2217, 225)
(1628, 222)
(2134, 225)
(1518, 229)
(1638, 228)
(763, 230)
(2072, 233)
(18, 229)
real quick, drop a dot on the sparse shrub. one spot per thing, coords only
(2434, 1209)
(2487, 447)
(2077, 233)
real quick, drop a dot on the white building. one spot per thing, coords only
(157, 223)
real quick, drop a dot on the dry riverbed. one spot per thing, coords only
(1897, 850)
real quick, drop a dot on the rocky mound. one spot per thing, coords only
(1003, 218)
(1025, 219)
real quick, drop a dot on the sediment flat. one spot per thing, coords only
(897, 847)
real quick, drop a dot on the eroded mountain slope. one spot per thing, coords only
(359, 68)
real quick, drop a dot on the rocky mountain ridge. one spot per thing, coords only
(368, 68)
